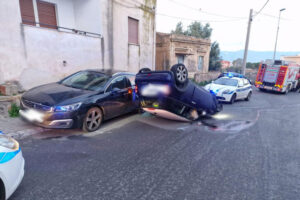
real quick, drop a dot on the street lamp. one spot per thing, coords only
(274, 56)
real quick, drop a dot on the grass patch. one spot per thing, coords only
(14, 111)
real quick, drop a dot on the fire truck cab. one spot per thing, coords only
(280, 77)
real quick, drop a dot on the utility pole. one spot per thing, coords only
(274, 56)
(247, 42)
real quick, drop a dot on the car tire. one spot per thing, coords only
(180, 73)
(92, 120)
(262, 90)
(144, 70)
(248, 96)
(233, 98)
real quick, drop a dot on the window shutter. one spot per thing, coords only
(133, 31)
(47, 14)
(27, 12)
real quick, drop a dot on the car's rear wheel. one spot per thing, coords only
(233, 98)
(181, 76)
(249, 96)
(92, 120)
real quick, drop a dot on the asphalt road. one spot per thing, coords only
(249, 151)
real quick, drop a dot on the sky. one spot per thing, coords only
(229, 20)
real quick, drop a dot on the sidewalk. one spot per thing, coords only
(17, 128)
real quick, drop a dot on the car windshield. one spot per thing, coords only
(226, 81)
(86, 80)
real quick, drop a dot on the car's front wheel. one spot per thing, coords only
(92, 120)
(233, 98)
(249, 96)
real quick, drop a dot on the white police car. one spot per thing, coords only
(11, 166)
(229, 89)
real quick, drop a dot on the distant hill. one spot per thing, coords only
(254, 56)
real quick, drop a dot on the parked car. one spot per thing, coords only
(82, 100)
(11, 166)
(170, 94)
(230, 89)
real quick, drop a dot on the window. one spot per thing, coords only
(118, 83)
(180, 59)
(47, 14)
(86, 80)
(27, 12)
(200, 62)
(246, 82)
(133, 31)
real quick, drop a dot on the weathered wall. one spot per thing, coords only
(45, 58)
(295, 59)
(168, 46)
(88, 15)
(129, 57)
(12, 55)
(34, 55)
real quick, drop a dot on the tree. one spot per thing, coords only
(178, 29)
(214, 57)
(196, 29)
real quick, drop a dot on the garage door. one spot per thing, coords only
(47, 14)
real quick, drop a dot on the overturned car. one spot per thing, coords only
(170, 94)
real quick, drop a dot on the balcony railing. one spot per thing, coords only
(80, 32)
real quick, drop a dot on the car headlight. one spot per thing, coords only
(227, 92)
(8, 142)
(67, 108)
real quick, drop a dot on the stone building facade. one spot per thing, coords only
(43, 41)
(192, 52)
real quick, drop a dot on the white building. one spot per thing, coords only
(43, 41)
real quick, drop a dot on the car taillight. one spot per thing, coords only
(136, 89)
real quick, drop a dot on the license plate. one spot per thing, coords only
(32, 115)
(268, 87)
(153, 90)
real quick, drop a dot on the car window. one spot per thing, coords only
(118, 83)
(87, 80)
(226, 81)
(131, 78)
(246, 82)
(241, 83)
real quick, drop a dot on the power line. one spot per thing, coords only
(205, 12)
(261, 8)
(204, 21)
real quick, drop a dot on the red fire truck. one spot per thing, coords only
(281, 77)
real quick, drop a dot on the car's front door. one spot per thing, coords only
(117, 97)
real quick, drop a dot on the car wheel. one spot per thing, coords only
(92, 120)
(181, 77)
(249, 96)
(262, 90)
(233, 98)
(143, 70)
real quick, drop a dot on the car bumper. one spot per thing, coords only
(224, 97)
(56, 120)
(13, 173)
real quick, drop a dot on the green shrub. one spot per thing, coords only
(14, 110)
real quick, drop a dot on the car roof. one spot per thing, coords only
(236, 78)
(111, 73)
